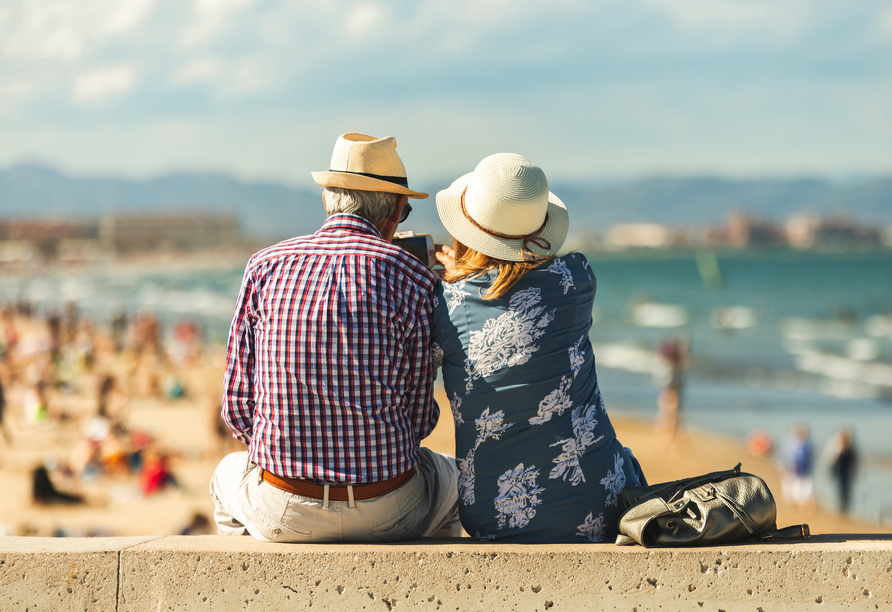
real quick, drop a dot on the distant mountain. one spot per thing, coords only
(273, 211)
(263, 209)
(707, 200)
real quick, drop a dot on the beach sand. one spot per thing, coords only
(185, 428)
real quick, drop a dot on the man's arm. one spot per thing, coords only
(238, 381)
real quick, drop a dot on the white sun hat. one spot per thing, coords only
(367, 163)
(504, 209)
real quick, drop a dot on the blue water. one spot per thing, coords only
(801, 309)
(745, 379)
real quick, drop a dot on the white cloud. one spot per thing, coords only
(724, 16)
(251, 75)
(364, 18)
(103, 82)
(199, 70)
(61, 29)
(126, 15)
(16, 88)
(886, 21)
(211, 16)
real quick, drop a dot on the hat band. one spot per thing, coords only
(528, 239)
(402, 181)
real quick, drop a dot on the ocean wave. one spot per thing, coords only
(795, 328)
(650, 314)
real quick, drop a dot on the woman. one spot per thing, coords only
(538, 457)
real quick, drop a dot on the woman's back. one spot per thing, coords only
(538, 457)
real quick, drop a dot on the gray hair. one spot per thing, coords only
(375, 206)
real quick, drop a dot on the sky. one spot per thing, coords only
(587, 89)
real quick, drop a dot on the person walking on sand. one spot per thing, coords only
(676, 355)
(328, 378)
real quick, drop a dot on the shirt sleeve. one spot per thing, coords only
(238, 381)
(424, 409)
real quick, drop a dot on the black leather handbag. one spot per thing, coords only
(715, 508)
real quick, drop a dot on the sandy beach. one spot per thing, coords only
(185, 430)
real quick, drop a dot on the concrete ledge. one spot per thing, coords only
(846, 572)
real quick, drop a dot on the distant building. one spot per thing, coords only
(809, 230)
(124, 235)
(744, 231)
(637, 235)
(68, 240)
(45, 235)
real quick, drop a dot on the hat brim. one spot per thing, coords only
(449, 207)
(347, 180)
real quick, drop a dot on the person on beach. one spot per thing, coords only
(538, 457)
(329, 379)
(676, 355)
(797, 456)
(843, 466)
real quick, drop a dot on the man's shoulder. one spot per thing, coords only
(283, 249)
(386, 255)
(392, 257)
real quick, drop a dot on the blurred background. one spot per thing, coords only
(727, 165)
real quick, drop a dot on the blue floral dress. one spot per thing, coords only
(538, 458)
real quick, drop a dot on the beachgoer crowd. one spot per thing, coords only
(61, 375)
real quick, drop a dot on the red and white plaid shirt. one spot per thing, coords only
(329, 370)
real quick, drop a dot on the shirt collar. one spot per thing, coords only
(344, 222)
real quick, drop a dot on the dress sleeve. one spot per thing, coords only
(238, 381)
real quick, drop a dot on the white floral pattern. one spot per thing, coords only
(466, 479)
(508, 340)
(614, 481)
(518, 497)
(436, 356)
(455, 405)
(555, 402)
(456, 294)
(559, 266)
(436, 300)
(488, 426)
(584, 425)
(577, 356)
(592, 528)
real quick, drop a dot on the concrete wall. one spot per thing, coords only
(852, 572)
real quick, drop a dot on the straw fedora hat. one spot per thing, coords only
(367, 163)
(504, 209)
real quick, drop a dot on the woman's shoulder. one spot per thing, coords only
(565, 274)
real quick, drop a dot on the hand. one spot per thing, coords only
(445, 254)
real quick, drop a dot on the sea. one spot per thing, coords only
(777, 338)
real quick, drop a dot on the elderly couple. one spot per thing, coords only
(334, 348)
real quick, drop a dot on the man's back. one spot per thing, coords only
(338, 325)
(329, 378)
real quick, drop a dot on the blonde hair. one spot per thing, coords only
(470, 264)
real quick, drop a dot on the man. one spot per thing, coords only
(329, 378)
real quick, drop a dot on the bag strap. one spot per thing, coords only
(737, 510)
(688, 483)
(793, 532)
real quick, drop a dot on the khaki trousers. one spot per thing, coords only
(426, 506)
